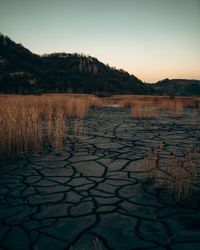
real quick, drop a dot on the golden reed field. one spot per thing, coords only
(29, 122)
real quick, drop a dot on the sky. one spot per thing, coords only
(152, 39)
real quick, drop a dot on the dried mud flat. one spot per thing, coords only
(93, 195)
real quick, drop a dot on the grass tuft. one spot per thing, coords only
(177, 175)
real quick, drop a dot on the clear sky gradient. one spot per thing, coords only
(152, 39)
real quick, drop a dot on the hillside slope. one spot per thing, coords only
(178, 87)
(21, 71)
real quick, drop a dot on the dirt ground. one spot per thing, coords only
(93, 195)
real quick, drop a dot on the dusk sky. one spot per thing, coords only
(152, 39)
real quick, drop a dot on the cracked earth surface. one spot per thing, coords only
(93, 196)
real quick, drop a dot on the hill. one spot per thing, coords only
(22, 71)
(178, 87)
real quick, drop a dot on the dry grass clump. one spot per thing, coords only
(143, 110)
(149, 106)
(183, 173)
(20, 129)
(177, 175)
(175, 106)
(78, 128)
(141, 106)
(122, 101)
(59, 125)
(28, 122)
(95, 101)
(150, 164)
(94, 244)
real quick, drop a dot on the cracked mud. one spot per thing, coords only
(93, 195)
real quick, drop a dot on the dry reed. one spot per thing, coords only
(177, 175)
(143, 110)
(150, 164)
(183, 174)
(150, 106)
(28, 122)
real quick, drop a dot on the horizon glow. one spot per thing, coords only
(152, 39)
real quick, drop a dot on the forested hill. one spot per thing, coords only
(178, 87)
(22, 71)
